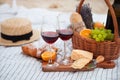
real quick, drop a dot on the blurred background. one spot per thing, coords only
(97, 6)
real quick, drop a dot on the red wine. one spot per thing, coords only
(50, 37)
(65, 34)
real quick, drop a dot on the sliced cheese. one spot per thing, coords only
(77, 54)
(80, 63)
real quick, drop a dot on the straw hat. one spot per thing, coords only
(17, 27)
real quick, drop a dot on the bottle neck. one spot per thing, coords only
(116, 2)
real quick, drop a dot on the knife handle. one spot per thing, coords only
(100, 59)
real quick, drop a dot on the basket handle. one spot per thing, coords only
(112, 14)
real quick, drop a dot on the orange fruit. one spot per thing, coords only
(46, 55)
(98, 25)
(85, 33)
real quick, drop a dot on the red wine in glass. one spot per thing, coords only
(50, 37)
(65, 34)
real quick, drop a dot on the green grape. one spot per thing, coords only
(97, 31)
(109, 31)
(102, 29)
(110, 36)
(97, 39)
(102, 32)
(102, 39)
(100, 36)
(104, 35)
(94, 32)
(94, 36)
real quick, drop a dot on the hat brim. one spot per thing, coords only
(35, 36)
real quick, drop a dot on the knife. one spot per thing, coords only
(94, 62)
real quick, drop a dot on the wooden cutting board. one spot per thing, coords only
(66, 68)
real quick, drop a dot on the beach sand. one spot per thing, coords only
(97, 6)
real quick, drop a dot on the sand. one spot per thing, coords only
(97, 6)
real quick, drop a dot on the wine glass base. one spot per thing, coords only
(55, 64)
(50, 65)
(65, 62)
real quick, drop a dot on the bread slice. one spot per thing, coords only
(75, 18)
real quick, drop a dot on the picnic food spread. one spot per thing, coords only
(80, 59)
(89, 41)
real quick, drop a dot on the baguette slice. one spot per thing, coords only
(75, 18)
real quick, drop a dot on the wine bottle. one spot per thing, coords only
(109, 22)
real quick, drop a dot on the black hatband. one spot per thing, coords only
(17, 38)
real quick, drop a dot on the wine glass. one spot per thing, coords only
(14, 7)
(65, 34)
(50, 36)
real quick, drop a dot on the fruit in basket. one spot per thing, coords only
(110, 35)
(46, 55)
(98, 25)
(98, 34)
(85, 33)
(101, 34)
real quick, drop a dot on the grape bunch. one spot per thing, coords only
(102, 35)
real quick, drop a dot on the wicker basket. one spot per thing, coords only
(110, 50)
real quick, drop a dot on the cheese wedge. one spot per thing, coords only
(77, 54)
(80, 63)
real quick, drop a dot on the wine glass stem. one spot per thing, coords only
(64, 50)
(50, 60)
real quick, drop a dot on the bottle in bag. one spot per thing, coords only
(109, 22)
